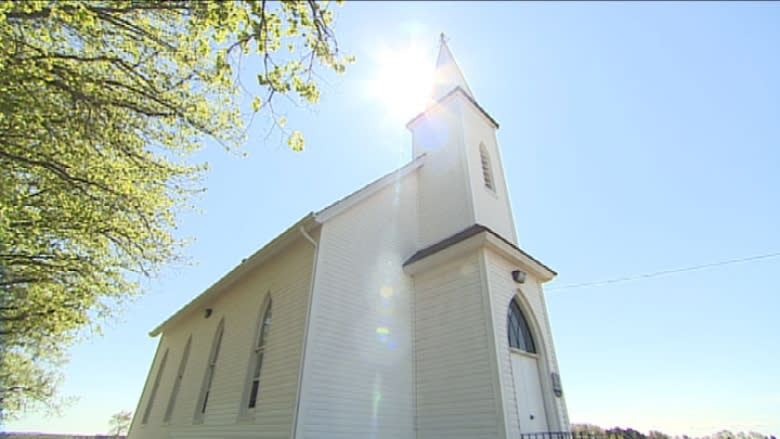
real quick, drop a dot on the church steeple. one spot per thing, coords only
(447, 75)
(462, 182)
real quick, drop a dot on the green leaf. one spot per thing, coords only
(295, 141)
(100, 115)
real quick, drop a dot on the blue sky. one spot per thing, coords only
(636, 137)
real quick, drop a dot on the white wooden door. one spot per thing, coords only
(528, 393)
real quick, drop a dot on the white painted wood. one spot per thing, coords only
(444, 197)
(344, 204)
(358, 379)
(361, 346)
(447, 74)
(528, 391)
(503, 289)
(286, 277)
(492, 208)
(453, 195)
(247, 265)
(560, 401)
(456, 395)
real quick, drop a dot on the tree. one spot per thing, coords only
(101, 105)
(120, 423)
(726, 434)
(625, 433)
(587, 429)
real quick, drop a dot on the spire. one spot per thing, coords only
(448, 74)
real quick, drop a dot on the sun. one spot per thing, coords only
(402, 81)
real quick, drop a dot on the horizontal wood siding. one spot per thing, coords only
(151, 427)
(455, 388)
(445, 205)
(560, 402)
(287, 278)
(491, 207)
(502, 290)
(358, 375)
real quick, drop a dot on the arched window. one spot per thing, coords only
(487, 172)
(177, 383)
(257, 358)
(203, 399)
(156, 384)
(517, 328)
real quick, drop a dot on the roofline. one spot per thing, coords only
(451, 93)
(366, 191)
(490, 237)
(308, 222)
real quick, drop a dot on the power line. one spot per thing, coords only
(664, 272)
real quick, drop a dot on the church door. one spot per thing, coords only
(525, 370)
(528, 393)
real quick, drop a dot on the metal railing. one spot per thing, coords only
(621, 434)
(581, 435)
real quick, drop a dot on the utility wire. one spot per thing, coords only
(664, 272)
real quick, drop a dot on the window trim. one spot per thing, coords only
(258, 353)
(524, 353)
(524, 332)
(177, 382)
(155, 386)
(208, 376)
(488, 179)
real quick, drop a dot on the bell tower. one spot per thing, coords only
(473, 285)
(462, 182)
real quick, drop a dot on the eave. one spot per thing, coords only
(366, 191)
(473, 238)
(308, 223)
(455, 91)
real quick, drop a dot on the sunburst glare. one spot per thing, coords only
(402, 80)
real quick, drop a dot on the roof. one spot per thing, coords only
(452, 92)
(308, 222)
(447, 73)
(350, 200)
(463, 235)
(449, 80)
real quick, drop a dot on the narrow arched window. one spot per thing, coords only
(203, 399)
(518, 331)
(487, 172)
(156, 384)
(257, 357)
(177, 383)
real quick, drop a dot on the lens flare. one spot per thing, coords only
(402, 81)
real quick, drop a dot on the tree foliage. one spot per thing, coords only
(101, 105)
(119, 423)
(590, 431)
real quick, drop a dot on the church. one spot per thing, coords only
(404, 310)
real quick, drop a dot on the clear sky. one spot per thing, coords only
(636, 137)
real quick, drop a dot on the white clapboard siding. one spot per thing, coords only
(287, 277)
(502, 290)
(456, 392)
(491, 206)
(445, 205)
(358, 374)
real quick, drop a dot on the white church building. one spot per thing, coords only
(404, 310)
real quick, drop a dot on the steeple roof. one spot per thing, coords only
(447, 75)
